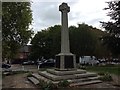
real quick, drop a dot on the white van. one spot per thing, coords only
(88, 60)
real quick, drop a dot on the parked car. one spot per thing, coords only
(46, 63)
(4, 65)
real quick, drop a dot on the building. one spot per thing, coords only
(22, 54)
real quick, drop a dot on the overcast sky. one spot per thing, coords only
(46, 13)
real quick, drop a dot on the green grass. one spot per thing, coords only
(111, 69)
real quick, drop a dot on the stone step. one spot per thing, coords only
(60, 73)
(33, 80)
(74, 82)
(85, 75)
(83, 79)
(39, 77)
(85, 83)
(65, 77)
(48, 75)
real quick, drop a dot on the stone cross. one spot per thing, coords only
(64, 8)
(65, 60)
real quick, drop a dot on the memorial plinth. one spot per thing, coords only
(65, 60)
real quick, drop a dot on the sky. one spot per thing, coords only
(47, 14)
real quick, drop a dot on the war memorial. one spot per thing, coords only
(65, 67)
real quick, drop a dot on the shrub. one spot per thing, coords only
(29, 74)
(81, 67)
(50, 86)
(106, 77)
(63, 83)
(42, 84)
(47, 86)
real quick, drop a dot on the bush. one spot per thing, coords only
(81, 67)
(63, 83)
(50, 86)
(47, 86)
(106, 77)
(42, 84)
(29, 74)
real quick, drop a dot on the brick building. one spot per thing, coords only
(22, 54)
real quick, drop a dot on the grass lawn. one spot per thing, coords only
(112, 69)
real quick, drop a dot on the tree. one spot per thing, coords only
(101, 50)
(83, 41)
(46, 43)
(112, 39)
(16, 18)
(38, 45)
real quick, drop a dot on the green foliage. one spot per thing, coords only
(50, 86)
(46, 43)
(106, 77)
(81, 67)
(47, 86)
(112, 40)
(16, 18)
(63, 83)
(84, 40)
(29, 74)
(100, 49)
(42, 84)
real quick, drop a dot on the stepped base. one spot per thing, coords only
(60, 73)
(75, 77)
(66, 77)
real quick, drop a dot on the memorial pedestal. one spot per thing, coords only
(65, 61)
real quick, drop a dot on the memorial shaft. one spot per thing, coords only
(65, 48)
(65, 60)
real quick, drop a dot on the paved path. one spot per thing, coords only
(17, 81)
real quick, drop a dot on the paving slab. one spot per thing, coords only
(33, 80)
